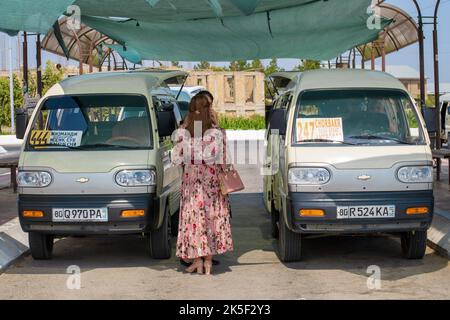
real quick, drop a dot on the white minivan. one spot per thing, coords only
(96, 160)
(347, 152)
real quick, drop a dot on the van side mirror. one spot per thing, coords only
(21, 123)
(167, 123)
(278, 121)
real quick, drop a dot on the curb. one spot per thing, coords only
(13, 243)
(439, 234)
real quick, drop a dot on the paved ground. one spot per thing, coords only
(118, 268)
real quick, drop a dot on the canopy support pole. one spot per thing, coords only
(11, 87)
(421, 56)
(373, 56)
(25, 63)
(80, 49)
(38, 65)
(436, 75)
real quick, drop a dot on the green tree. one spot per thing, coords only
(203, 65)
(175, 64)
(52, 75)
(239, 65)
(257, 65)
(308, 65)
(272, 67)
(5, 111)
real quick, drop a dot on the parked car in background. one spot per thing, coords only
(351, 156)
(96, 161)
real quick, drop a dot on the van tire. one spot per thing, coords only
(174, 222)
(414, 244)
(41, 245)
(274, 219)
(289, 243)
(159, 241)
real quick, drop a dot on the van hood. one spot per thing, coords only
(360, 157)
(85, 161)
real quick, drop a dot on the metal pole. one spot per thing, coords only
(38, 66)
(372, 65)
(11, 87)
(436, 76)
(25, 64)
(421, 56)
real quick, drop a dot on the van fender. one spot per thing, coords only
(160, 208)
(285, 208)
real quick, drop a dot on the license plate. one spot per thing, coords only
(355, 212)
(80, 214)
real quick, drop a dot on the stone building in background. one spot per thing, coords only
(237, 93)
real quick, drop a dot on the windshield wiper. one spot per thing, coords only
(375, 137)
(52, 145)
(105, 145)
(328, 141)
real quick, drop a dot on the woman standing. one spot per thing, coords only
(204, 229)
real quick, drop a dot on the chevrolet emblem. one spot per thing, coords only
(82, 180)
(364, 177)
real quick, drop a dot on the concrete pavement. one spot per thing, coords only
(334, 267)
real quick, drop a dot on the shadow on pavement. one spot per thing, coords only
(253, 245)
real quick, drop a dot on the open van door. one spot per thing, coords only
(445, 115)
(280, 82)
(283, 80)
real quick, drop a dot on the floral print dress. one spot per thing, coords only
(204, 227)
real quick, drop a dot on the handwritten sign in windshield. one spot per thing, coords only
(57, 137)
(319, 129)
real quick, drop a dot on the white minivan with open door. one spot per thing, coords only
(96, 160)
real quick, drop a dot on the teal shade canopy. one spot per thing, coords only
(304, 31)
(129, 54)
(31, 15)
(213, 30)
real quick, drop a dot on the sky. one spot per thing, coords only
(407, 56)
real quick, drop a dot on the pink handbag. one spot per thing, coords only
(230, 182)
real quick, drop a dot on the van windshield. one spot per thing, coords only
(91, 122)
(356, 117)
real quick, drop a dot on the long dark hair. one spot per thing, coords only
(200, 109)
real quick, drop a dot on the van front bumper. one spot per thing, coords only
(329, 223)
(114, 203)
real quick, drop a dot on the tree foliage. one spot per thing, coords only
(239, 65)
(50, 77)
(308, 65)
(203, 65)
(5, 108)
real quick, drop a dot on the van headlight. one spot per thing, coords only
(136, 178)
(308, 176)
(34, 179)
(416, 174)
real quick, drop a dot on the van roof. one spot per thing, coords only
(136, 82)
(347, 78)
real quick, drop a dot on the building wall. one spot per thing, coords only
(237, 93)
(413, 86)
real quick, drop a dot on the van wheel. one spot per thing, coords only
(414, 244)
(159, 240)
(174, 222)
(289, 243)
(274, 218)
(41, 245)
